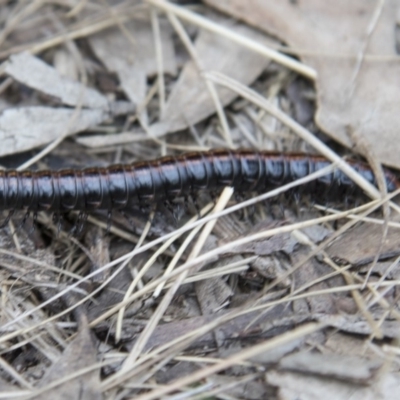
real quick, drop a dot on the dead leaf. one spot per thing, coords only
(212, 294)
(330, 37)
(182, 368)
(113, 294)
(302, 387)
(25, 128)
(349, 345)
(99, 248)
(276, 319)
(312, 271)
(285, 242)
(135, 47)
(36, 74)
(131, 55)
(7, 387)
(359, 245)
(235, 389)
(348, 368)
(359, 326)
(274, 355)
(190, 101)
(390, 269)
(80, 353)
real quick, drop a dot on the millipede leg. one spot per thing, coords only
(82, 220)
(128, 218)
(34, 220)
(23, 221)
(281, 201)
(169, 206)
(193, 200)
(296, 198)
(249, 211)
(58, 221)
(174, 209)
(7, 219)
(79, 224)
(25, 218)
(109, 221)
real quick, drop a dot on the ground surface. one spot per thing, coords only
(290, 297)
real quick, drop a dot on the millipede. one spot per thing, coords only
(119, 187)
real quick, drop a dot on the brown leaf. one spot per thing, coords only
(359, 326)
(285, 242)
(182, 368)
(360, 245)
(250, 390)
(113, 294)
(36, 74)
(312, 271)
(348, 368)
(212, 293)
(275, 319)
(302, 387)
(7, 387)
(349, 345)
(190, 101)
(131, 55)
(25, 128)
(80, 353)
(330, 37)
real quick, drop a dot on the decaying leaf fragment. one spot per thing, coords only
(81, 353)
(27, 127)
(299, 386)
(131, 55)
(350, 368)
(36, 74)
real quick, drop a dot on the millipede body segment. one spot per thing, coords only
(122, 186)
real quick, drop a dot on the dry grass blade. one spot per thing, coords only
(207, 24)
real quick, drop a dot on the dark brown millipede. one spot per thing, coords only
(121, 186)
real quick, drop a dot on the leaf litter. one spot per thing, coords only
(24, 128)
(351, 46)
(276, 304)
